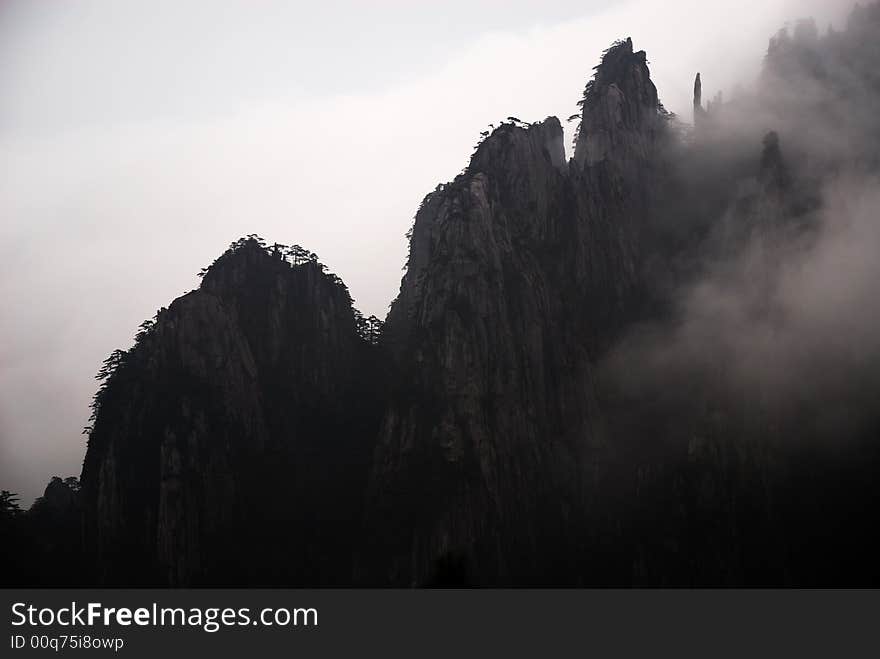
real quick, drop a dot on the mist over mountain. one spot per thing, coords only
(656, 363)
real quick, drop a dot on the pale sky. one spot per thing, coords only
(138, 139)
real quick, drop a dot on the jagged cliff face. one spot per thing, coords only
(518, 270)
(515, 425)
(620, 118)
(236, 413)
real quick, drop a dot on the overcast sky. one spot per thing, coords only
(138, 139)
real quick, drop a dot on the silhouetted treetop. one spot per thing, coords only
(9, 504)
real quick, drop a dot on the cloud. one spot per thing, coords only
(787, 330)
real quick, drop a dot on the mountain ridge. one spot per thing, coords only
(582, 380)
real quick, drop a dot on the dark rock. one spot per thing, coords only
(256, 435)
(232, 444)
(518, 269)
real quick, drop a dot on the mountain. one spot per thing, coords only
(231, 444)
(656, 363)
(519, 270)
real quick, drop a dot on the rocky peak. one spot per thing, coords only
(249, 264)
(699, 111)
(244, 397)
(276, 290)
(510, 146)
(493, 391)
(520, 168)
(620, 109)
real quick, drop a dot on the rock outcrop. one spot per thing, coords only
(699, 110)
(256, 434)
(518, 270)
(231, 443)
(620, 117)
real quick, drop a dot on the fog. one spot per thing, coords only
(788, 328)
(138, 139)
(774, 314)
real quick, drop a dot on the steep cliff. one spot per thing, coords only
(231, 443)
(519, 270)
(580, 381)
